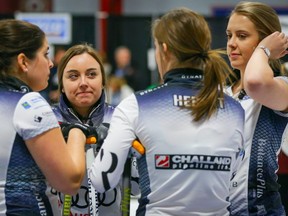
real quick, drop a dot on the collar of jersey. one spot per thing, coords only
(183, 75)
(13, 83)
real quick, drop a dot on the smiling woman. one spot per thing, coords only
(255, 44)
(82, 100)
(81, 79)
(82, 83)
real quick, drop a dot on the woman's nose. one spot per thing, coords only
(231, 42)
(83, 80)
(51, 64)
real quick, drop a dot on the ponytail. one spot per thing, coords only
(211, 95)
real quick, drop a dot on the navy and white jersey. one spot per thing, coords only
(187, 166)
(110, 202)
(24, 115)
(255, 185)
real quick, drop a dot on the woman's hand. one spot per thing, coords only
(277, 43)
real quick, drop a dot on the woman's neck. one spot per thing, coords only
(237, 87)
(82, 113)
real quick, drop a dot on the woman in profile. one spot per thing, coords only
(33, 150)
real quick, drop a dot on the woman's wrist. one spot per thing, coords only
(265, 50)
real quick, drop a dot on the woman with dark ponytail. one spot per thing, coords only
(33, 150)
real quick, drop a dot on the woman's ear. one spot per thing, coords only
(22, 62)
(165, 52)
(164, 47)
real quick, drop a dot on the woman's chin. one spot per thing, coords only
(86, 103)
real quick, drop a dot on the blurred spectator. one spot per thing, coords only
(51, 93)
(117, 90)
(124, 68)
(106, 64)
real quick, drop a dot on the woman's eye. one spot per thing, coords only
(73, 76)
(242, 36)
(46, 55)
(92, 74)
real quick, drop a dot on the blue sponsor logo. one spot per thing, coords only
(26, 105)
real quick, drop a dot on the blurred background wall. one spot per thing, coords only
(108, 24)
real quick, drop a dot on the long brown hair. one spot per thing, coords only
(265, 20)
(188, 37)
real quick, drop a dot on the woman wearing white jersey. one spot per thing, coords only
(255, 44)
(191, 131)
(33, 149)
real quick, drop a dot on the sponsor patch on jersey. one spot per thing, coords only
(202, 162)
(48, 113)
(37, 118)
(36, 100)
(26, 105)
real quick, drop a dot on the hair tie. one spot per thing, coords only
(203, 55)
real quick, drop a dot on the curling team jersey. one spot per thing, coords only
(264, 134)
(109, 202)
(24, 115)
(187, 166)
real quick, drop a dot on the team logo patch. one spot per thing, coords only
(26, 105)
(162, 161)
(201, 162)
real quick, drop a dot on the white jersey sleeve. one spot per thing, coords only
(107, 176)
(33, 116)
